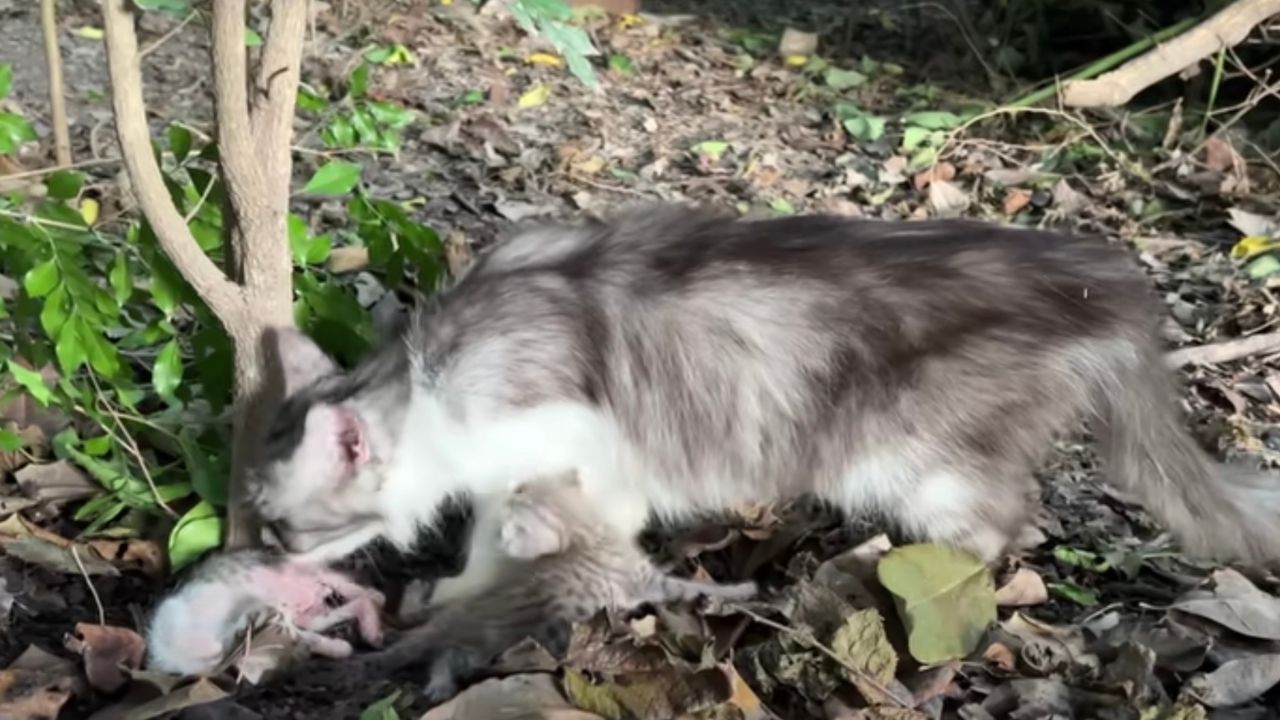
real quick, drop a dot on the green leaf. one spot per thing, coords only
(179, 142)
(621, 64)
(390, 114)
(358, 84)
(98, 446)
(252, 38)
(32, 382)
(712, 149)
(336, 177)
(55, 312)
(339, 133)
(208, 479)
(946, 598)
(383, 709)
(298, 239)
(14, 131)
(1265, 266)
(172, 7)
(379, 55)
(10, 441)
(121, 279)
(1074, 593)
(64, 184)
(913, 137)
(102, 354)
(311, 101)
(195, 533)
(41, 279)
(167, 372)
(575, 45)
(934, 120)
(6, 79)
(841, 79)
(867, 128)
(70, 349)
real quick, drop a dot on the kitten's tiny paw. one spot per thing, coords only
(526, 540)
(439, 689)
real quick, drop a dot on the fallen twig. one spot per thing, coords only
(1225, 351)
(1228, 27)
(102, 613)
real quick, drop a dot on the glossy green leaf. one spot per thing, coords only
(31, 381)
(196, 533)
(121, 279)
(359, 81)
(10, 441)
(70, 349)
(14, 132)
(383, 709)
(98, 446)
(41, 279)
(252, 38)
(933, 120)
(64, 184)
(55, 311)
(336, 177)
(180, 142)
(207, 477)
(913, 137)
(6, 79)
(841, 79)
(166, 374)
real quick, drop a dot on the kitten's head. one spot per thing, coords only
(317, 480)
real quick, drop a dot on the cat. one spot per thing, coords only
(683, 361)
(194, 628)
(564, 565)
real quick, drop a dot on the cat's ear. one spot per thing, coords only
(302, 362)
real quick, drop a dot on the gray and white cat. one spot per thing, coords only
(564, 565)
(684, 361)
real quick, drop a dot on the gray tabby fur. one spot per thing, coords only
(565, 565)
(684, 361)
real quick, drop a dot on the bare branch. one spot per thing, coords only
(124, 66)
(1225, 29)
(57, 98)
(236, 147)
(1225, 351)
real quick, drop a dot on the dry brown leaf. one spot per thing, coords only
(1066, 199)
(1001, 656)
(197, 693)
(942, 171)
(1015, 200)
(36, 685)
(106, 649)
(139, 554)
(56, 482)
(947, 199)
(68, 559)
(16, 526)
(524, 697)
(348, 258)
(1026, 587)
(1220, 156)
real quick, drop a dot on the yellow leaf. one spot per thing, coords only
(629, 21)
(90, 32)
(89, 210)
(796, 60)
(1253, 245)
(535, 96)
(545, 59)
(446, 2)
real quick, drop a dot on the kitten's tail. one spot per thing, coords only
(1217, 511)
(674, 589)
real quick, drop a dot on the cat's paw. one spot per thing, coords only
(441, 687)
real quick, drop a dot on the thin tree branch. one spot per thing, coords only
(1225, 351)
(57, 99)
(124, 65)
(1227, 28)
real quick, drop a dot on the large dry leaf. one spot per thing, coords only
(1026, 587)
(1236, 682)
(72, 559)
(945, 596)
(56, 482)
(649, 695)
(197, 693)
(861, 643)
(947, 199)
(1250, 223)
(36, 685)
(517, 697)
(109, 653)
(1237, 604)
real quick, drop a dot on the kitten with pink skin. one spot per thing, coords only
(195, 628)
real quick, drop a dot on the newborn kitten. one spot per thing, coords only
(564, 566)
(195, 628)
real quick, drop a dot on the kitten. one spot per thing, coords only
(564, 566)
(682, 361)
(195, 628)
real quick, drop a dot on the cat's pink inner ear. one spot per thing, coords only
(353, 442)
(302, 362)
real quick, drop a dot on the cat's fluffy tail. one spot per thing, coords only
(1224, 512)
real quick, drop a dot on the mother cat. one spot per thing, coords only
(681, 361)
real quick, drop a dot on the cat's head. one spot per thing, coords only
(317, 480)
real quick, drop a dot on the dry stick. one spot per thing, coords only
(50, 170)
(1225, 351)
(102, 614)
(1227, 28)
(124, 65)
(57, 103)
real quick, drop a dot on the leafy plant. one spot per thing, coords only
(353, 119)
(550, 19)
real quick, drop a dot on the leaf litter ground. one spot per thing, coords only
(1101, 619)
